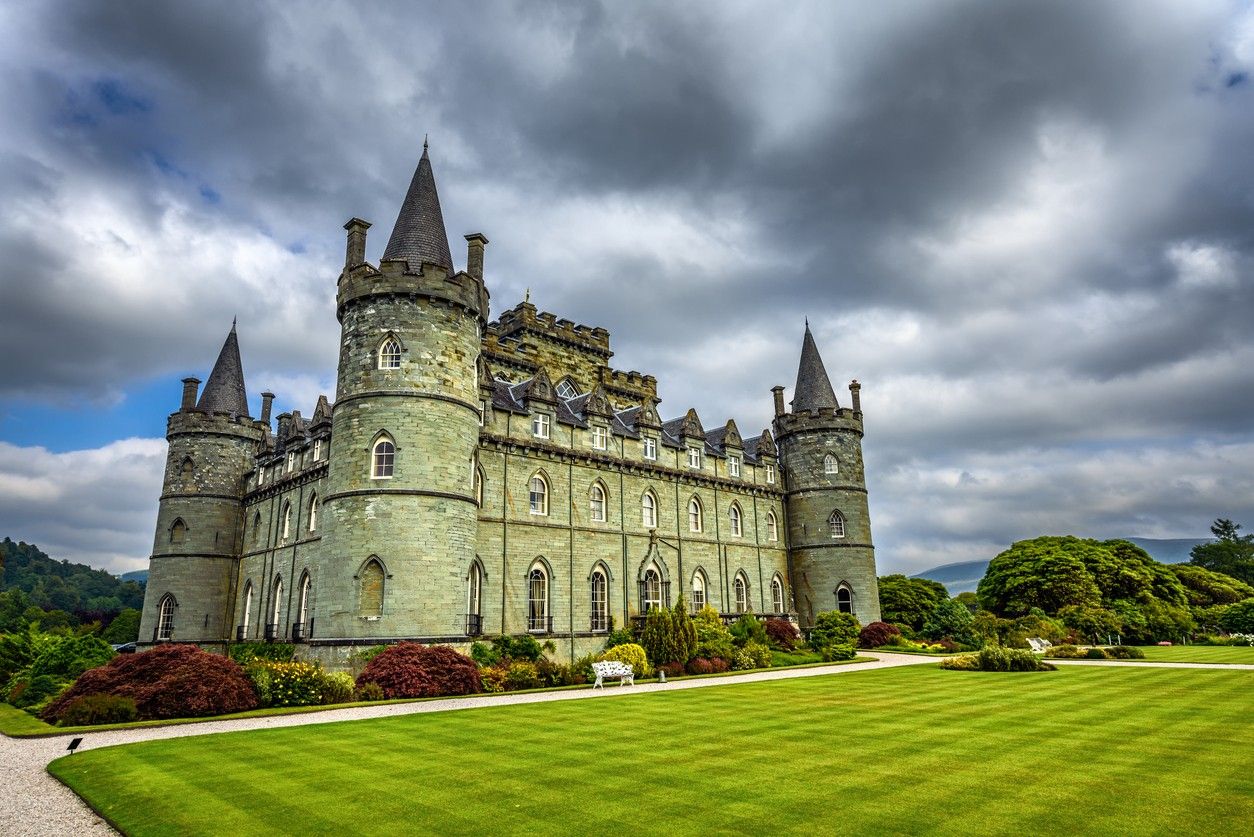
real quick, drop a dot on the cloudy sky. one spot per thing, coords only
(1028, 229)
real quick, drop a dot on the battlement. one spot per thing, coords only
(194, 420)
(840, 418)
(398, 277)
(524, 318)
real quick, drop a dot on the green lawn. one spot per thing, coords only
(1199, 653)
(899, 751)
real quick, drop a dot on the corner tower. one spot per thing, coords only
(400, 500)
(195, 553)
(829, 526)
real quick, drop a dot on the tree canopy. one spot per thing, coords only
(1231, 553)
(909, 601)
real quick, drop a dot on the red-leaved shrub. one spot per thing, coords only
(700, 665)
(782, 633)
(718, 665)
(170, 681)
(876, 634)
(411, 669)
(672, 669)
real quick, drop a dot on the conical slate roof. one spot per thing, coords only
(419, 234)
(224, 393)
(814, 390)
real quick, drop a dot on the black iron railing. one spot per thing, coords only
(240, 633)
(474, 624)
(600, 622)
(272, 632)
(298, 632)
(540, 624)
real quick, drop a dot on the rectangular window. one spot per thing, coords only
(694, 458)
(291, 461)
(317, 451)
(540, 426)
(650, 448)
(600, 437)
(733, 466)
(483, 413)
(261, 476)
(770, 474)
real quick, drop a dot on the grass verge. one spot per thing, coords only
(896, 751)
(1199, 653)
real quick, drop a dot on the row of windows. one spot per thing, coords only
(276, 605)
(294, 459)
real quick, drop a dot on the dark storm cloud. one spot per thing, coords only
(1027, 228)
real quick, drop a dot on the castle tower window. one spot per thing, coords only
(844, 599)
(313, 513)
(287, 523)
(772, 528)
(596, 503)
(695, 515)
(178, 531)
(390, 354)
(483, 412)
(742, 593)
(474, 598)
(836, 526)
(733, 466)
(734, 517)
(600, 601)
(830, 466)
(538, 599)
(600, 438)
(302, 614)
(648, 510)
(479, 486)
(651, 590)
(694, 458)
(248, 610)
(187, 468)
(698, 591)
(650, 448)
(539, 495)
(777, 594)
(165, 618)
(370, 593)
(257, 529)
(317, 450)
(384, 460)
(291, 461)
(276, 612)
(770, 474)
(540, 426)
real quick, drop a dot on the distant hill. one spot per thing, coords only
(138, 576)
(60, 585)
(965, 576)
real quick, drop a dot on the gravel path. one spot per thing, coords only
(33, 803)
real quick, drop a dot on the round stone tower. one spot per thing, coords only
(405, 427)
(192, 570)
(829, 526)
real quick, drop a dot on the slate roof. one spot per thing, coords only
(224, 392)
(814, 389)
(419, 235)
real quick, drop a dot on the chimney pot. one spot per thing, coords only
(778, 392)
(855, 392)
(190, 385)
(356, 252)
(475, 242)
(267, 398)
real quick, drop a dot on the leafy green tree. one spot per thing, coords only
(713, 638)
(908, 601)
(124, 627)
(1239, 618)
(657, 638)
(685, 631)
(953, 620)
(1093, 623)
(1230, 553)
(1206, 588)
(1047, 572)
(968, 600)
(748, 629)
(834, 628)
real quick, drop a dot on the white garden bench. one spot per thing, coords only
(613, 668)
(1039, 646)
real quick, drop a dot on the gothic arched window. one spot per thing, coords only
(742, 593)
(538, 598)
(370, 589)
(165, 618)
(248, 610)
(698, 590)
(600, 600)
(844, 599)
(836, 525)
(648, 510)
(777, 593)
(772, 527)
(390, 354)
(651, 590)
(178, 531)
(734, 517)
(313, 513)
(596, 503)
(538, 495)
(830, 465)
(695, 515)
(384, 459)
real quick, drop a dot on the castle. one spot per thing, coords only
(478, 477)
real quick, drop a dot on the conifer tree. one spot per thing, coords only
(685, 632)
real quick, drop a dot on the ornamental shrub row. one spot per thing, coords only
(997, 659)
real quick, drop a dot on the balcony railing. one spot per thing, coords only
(272, 632)
(600, 622)
(241, 631)
(540, 624)
(298, 632)
(474, 624)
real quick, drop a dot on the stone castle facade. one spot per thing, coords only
(475, 477)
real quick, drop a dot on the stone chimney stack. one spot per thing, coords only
(285, 423)
(778, 392)
(356, 252)
(190, 385)
(855, 392)
(475, 242)
(267, 398)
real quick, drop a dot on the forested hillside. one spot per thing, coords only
(60, 585)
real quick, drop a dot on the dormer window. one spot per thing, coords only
(733, 466)
(540, 426)
(650, 448)
(291, 461)
(600, 438)
(317, 450)
(390, 354)
(566, 390)
(694, 458)
(770, 474)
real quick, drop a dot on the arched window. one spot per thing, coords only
(742, 593)
(566, 390)
(390, 354)
(539, 494)
(695, 515)
(733, 515)
(648, 510)
(596, 503)
(313, 513)
(844, 599)
(600, 601)
(772, 528)
(538, 599)
(178, 531)
(370, 591)
(830, 465)
(257, 529)
(187, 468)
(384, 459)
(302, 613)
(651, 590)
(698, 590)
(836, 525)
(479, 485)
(165, 618)
(276, 611)
(248, 610)
(474, 599)
(286, 531)
(777, 593)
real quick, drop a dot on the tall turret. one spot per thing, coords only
(212, 443)
(399, 501)
(829, 526)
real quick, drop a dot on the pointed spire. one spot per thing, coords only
(814, 390)
(224, 393)
(419, 235)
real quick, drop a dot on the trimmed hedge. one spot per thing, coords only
(413, 670)
(997, 659)
(99, 709)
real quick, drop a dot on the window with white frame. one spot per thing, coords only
(276, 613)
(474, 593)
(651, 590)
(313, 513)
(483, 412)
(317, 450)
(286, 530)
(734, 517)
(538, 599)
(844, 599)
(479, 486)
(384, 460)
(695, 515)
(830, 465)
(390, 354)
(772, 527)
(165, 618)
(261, 476)
(733, 466)
(540, 426)
(291, 461)
(770, 474)
(694, 458)
(596, 503)
(248, 609)
(742, 594)
(777, 594)
(836, 525)
(650, 447)
(302, 613)
(600, 601)
(566, 390)
(698, 591)
(539, 495)
(648, 510)
(600, 438)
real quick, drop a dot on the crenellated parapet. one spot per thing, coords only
(400, 279)
(524, 320)
(821, 419)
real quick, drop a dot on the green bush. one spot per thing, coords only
(658, 637)
(70, 656)
(337, 687)
(631, 654)
(619, 636)
(1096, 654)
(370, 691)
(90, 710)
(1125, 652)
(713, 638)
(522, 675)
(1066, 652)
(753, 655)
(1002, 659)
(34, 693)
(961, 662)
(286, 684)
(837, 651)
(124, 627)
(834, 628)
(748, 629)
(245, 652)
(1239, 618)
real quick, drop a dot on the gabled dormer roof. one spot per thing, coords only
(814, 389)
(321, 413)
(419, 235)
(224, 392)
